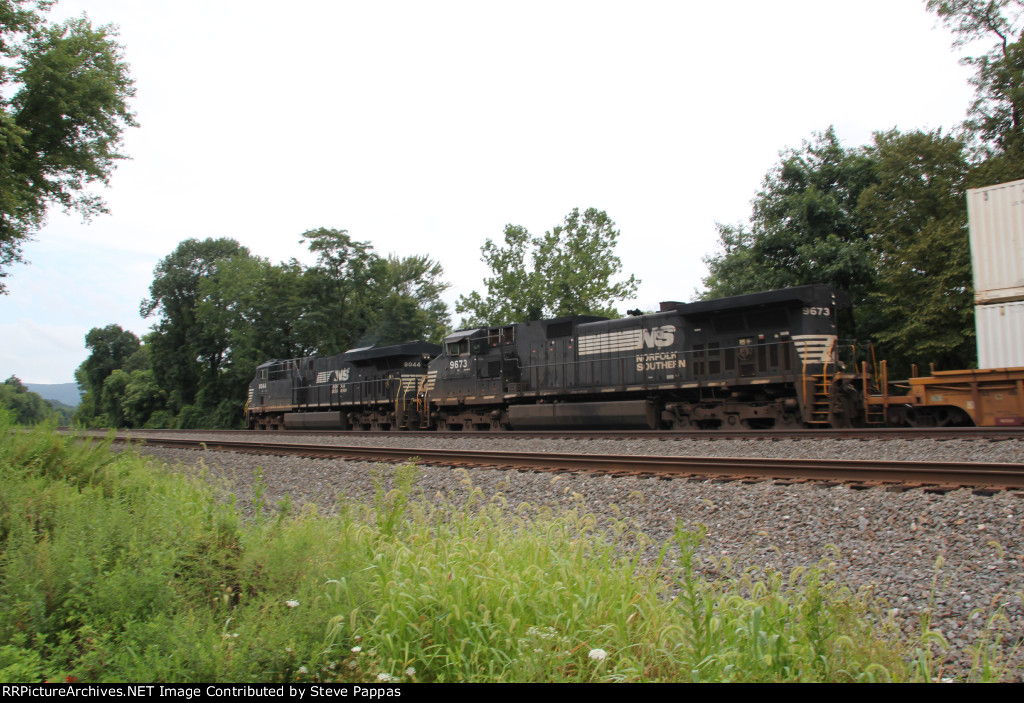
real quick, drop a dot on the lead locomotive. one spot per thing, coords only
(760, 360)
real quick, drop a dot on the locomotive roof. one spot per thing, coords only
(801, 295)
(578, 319)
(461, 334)
(416, 348)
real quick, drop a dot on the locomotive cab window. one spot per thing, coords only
(459, 348)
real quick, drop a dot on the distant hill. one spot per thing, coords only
(66, 393)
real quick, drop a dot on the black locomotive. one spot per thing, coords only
(760, 360)
(372, 388)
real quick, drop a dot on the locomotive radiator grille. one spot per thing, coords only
(612, 342)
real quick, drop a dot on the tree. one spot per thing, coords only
(514, 293)
(407, 305)
(568, 271)
(143, 399)
(804, 227)
(996, 117)
(63, 111)
(224, 311)
(922, 303)
(113, 398)
(257, 310)
(357, 298)
(339, 282)
(186, 355)
(111, 348)
(27, 408)
(885, 223)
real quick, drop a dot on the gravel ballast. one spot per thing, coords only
(960, 552)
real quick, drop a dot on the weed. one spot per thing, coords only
(113, 571)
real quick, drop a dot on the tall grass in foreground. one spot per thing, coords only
(113, 571)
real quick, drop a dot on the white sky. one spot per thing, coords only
(426, 127)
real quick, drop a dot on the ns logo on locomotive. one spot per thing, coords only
(761, 360)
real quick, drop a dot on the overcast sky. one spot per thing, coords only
(426, 127)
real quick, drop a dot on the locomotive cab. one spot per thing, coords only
(760, 360)
(480, 371)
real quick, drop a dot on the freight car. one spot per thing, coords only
(761, 360)
(982, 397)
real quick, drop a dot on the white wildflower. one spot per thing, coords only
(303, 670)
(545, 633)
(598, 655)
(292, 603)
(410, 671)
(384, 677)
(357, 650)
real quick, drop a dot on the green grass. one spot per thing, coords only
(114, 570)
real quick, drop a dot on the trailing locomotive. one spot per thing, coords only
(760, 360)
(371, 388)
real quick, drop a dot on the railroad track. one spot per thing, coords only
(895, 433)
(899, 475)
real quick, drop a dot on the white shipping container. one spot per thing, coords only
(1000, 329)
(996, 216)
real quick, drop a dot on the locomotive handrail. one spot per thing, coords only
(357, 388)
(697, 361)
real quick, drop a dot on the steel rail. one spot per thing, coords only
(940, 433)
(953, 474)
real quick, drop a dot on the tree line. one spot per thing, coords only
(886, 222)
(220, 311)
(28, 408)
